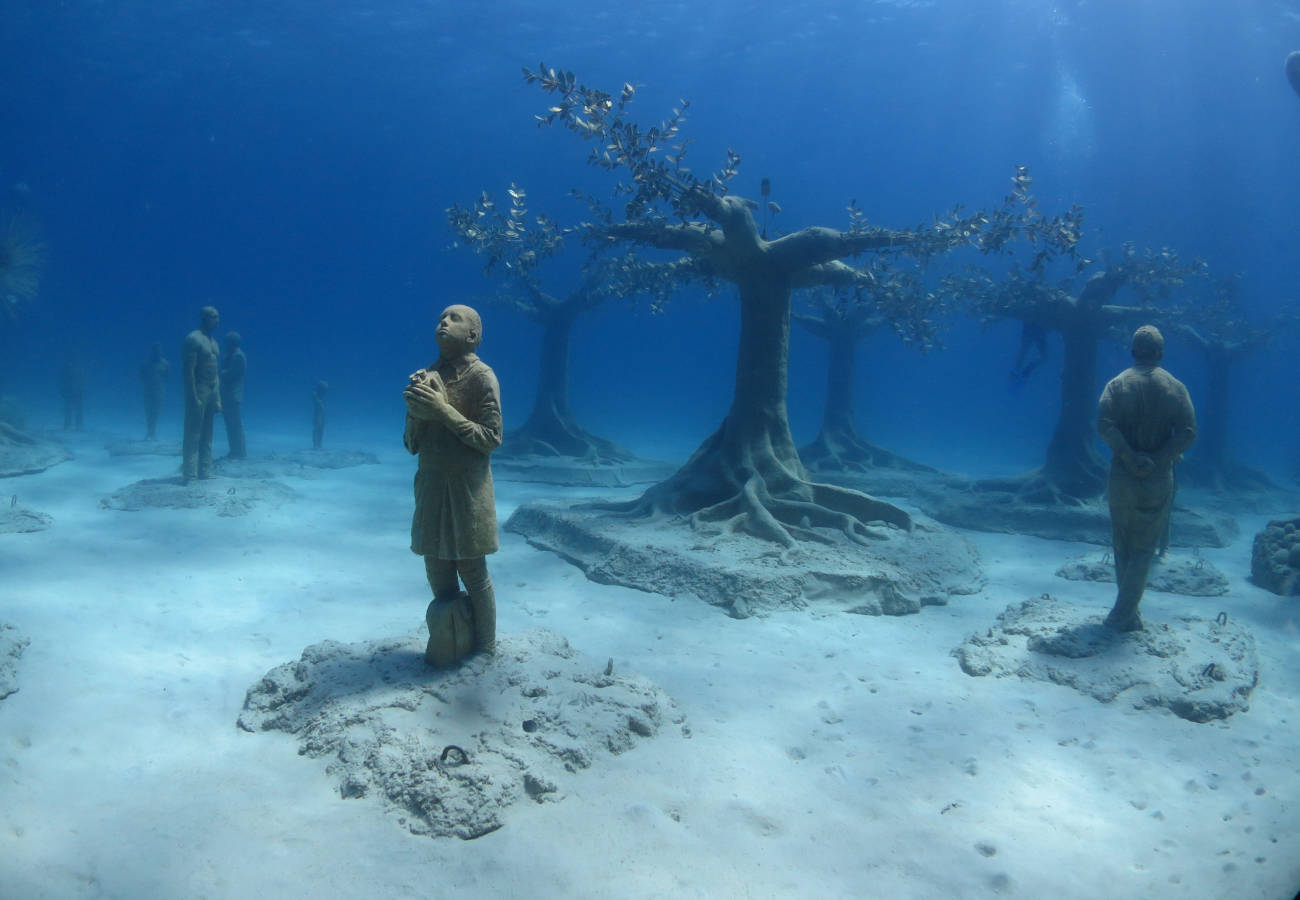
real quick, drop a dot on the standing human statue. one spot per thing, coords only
(318, 414)
(232, 396)
(1146, 417)
(453, 423)
(72, 388)
(153, 378)
(201, 372)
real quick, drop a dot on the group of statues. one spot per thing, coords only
(211, 388)
(213, 385)
(453, 423)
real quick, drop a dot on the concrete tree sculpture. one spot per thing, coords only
(22, 257)
(843, 322)
(515, 245)
(1079, 304)
(747, 476)
(1221, 330)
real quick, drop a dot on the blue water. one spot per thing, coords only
(290, 163)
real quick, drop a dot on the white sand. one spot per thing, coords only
(831, 755)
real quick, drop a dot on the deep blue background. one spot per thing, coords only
(290, 162)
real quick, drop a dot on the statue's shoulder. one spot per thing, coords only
(479, 370)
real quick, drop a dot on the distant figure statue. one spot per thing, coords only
(1032, 352)
(153, 377)
(232, 396)
(72, 387)
(453, 422)
(1146, 417)
(200, 369)
(318, 414)
(1293, 70)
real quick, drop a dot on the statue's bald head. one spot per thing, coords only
(209, 318)
(1148, 345)
(463, 324)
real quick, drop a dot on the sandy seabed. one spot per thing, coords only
(828, 755)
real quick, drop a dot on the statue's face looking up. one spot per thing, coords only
(459, 330)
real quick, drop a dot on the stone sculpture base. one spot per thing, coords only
(12, 645)
(571, 472)
(1200, 670)
(1176, 573)
(127, 447)
(228, 496)
(896, 574)
(26, 454)
(15, 519)
(449, 752)
(957, 501)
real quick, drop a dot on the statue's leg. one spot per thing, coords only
(442, 577)
(190, 447)
(235, 431)
(1139, 516)
(482, 599)
(208, 419)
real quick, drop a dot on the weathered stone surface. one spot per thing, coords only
(12, 645)
(962, 502)
(897, 573)
(1275, 557)
(15, 519)
(1200, 670)
(26, 454)
(563, 470)
(448, 752)
(1175, 573)
(328, 459)
(126, 447)
(228, 496)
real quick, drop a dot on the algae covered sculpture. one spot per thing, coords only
(1059, 290)
(515, 244)
(233, 374)
(22, 257)
(747, 477)
(153, 380)
(1146, 417)
(453, 423)
(842, 323)
(1223, 333)
(201, 372)
(318, 414)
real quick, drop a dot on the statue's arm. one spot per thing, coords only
(1108, 427)
(1184, 428)
(482, 432)
(411, 436)
(189, 364)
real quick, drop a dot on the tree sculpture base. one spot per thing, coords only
(24, 454)
(895, 572)
(845, 451)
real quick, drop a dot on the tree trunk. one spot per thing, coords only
(1209, 464)
(747, 476)
(1212, 426)
(839, 447)
(552, 429)
(1073, 467)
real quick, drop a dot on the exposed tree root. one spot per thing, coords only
(750, 489)
(550, 432)
(1036, 488)
(843, 450)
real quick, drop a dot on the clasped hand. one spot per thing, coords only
(1141, 465)
(425, 398)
